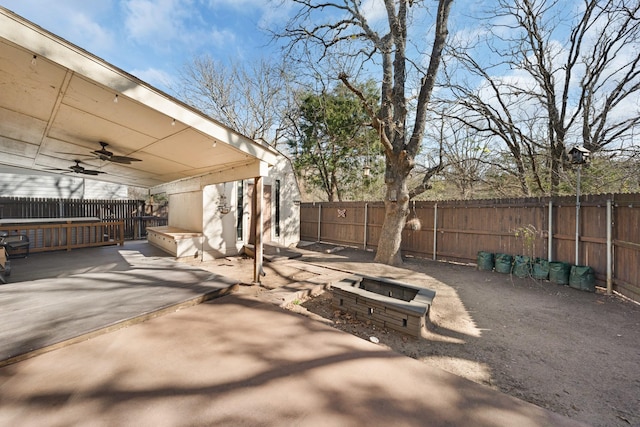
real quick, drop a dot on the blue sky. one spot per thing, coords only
(153, 39)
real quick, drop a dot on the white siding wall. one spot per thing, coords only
(105, 190)
(289, 203)
(219, 229)
(185, 211)
(16, 182)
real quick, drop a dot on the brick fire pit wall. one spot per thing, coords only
(384, 302)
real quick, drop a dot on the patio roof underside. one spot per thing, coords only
(57, 104)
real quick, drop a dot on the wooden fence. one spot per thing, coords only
(134, 214)
(608, 232)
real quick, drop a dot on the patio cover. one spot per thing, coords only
(57, 104)
(58, 101)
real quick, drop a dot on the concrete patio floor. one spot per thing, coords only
(54, 298)
(231, 361)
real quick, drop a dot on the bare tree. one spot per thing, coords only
(492, 110)
(252, 99)
(326, 27)
(467, 157)
(611, 79)
(550, 85)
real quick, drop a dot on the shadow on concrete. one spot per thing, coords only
(235, 361)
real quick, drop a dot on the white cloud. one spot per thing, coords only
(222, 38)
(176, 26)
(97, 37)
(78, 21)
(240, 4)
(155, 22)
(373, 10)
(155, 77)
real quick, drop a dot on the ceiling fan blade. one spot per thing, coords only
(103, 154)
(55, 170)
(91, 172)
(126, 160)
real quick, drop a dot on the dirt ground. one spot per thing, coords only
(572, 352)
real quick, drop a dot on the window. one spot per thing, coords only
(277, 208)
(240, 210)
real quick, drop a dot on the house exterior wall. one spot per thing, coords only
(289, 203)
(198, 211)
(219, 229)
(17, 183)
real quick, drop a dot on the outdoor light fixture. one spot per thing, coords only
(34, 60)
(366, 171)
(115, 99)
(173, 122)
(223, 206)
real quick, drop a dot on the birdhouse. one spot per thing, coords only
(579, 155)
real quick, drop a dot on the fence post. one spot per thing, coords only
(319, 219)
(435, 230)
(609, 248)
(550, 233)
(69, 235)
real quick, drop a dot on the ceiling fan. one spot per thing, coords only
(78, 169)
(104, 154)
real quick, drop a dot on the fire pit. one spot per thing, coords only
(384, 302)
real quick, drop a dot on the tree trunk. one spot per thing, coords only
(396, 210)
(556, 165)
(391, 233)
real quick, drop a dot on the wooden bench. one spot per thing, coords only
(176, 241)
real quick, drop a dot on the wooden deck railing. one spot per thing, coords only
(136, 214)
(69, 235)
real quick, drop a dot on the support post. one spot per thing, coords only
(435, 230)
(257, 262)
(578, 217)
(550, 233)
(609, 248)
(365, 225)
